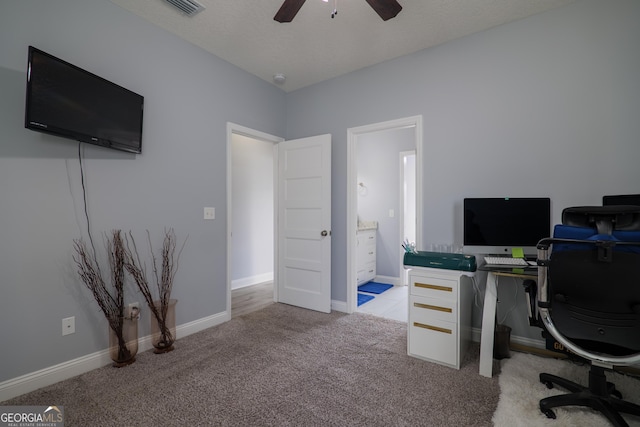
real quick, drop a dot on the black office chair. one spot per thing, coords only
(588, 299)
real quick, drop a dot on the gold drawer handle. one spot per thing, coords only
(433, 328)
(432, 307)
(434, 287)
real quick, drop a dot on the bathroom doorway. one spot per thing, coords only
(381, 159)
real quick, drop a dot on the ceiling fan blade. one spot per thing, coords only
(387, 9)
(288, 10)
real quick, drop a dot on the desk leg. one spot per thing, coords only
(488, 326)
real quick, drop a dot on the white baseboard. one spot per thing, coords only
(528, 342)
(340, 306)
(71, 368)
(395, 281)
(477, 332)
(250, 281)
(53, 374)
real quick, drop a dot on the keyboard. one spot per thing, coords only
(506, 261)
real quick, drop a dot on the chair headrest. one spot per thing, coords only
(604, 219)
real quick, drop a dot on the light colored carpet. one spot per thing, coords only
(521, 391)
(280, 366)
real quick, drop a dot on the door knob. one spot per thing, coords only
(324, 233)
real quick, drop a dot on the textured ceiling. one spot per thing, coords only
(314, 47)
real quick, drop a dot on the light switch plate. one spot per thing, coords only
(209, 213)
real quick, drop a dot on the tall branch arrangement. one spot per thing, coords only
(163, 275)
(110, 299)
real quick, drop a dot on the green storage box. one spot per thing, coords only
(444, 260)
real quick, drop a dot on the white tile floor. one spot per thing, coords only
(391, 304)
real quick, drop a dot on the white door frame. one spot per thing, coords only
(236, 129)
(401, 217)
(352, 193)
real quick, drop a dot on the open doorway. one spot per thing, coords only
(276, 233)
(376, 195)
(250, 219)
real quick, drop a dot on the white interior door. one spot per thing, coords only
(304, 223)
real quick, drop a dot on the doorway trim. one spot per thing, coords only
(235, 129)
(352, 193)
(404, 274)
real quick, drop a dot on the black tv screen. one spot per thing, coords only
(67, 101)
(498, 225)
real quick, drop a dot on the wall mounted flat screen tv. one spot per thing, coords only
(498, 225)
(67, 101)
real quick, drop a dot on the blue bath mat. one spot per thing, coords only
(362, 298)
(374, 287)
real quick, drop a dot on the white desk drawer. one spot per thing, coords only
(425, 309)
(434, 287)
(434, 340)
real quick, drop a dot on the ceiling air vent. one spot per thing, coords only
(188, 7)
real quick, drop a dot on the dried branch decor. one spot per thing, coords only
(111, 302)
(164, 276)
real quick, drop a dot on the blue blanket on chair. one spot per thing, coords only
(585, 233)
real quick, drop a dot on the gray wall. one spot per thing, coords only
(558, 92)
(189, 97)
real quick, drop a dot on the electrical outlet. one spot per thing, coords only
(69, 325)
(133, 307)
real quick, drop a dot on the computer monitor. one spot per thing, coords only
(499, 225)
(622, 199)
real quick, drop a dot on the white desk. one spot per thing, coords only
(489, 315)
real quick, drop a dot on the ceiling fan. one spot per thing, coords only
(387, 9)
